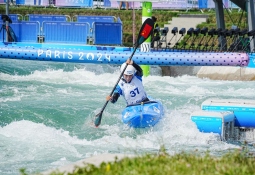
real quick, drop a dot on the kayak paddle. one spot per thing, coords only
(144, 33)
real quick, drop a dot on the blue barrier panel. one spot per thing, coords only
(107, 33)
(25, 31)
(63, 32)
(92, 19)
(40, 18)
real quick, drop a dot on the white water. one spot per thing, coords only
(46, 112)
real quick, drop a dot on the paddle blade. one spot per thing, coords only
(145, 31)
(98, 118)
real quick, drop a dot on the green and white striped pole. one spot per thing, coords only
(146, 46)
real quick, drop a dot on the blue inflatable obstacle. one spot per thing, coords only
(228, 118)
(215, 122)
(243, 110)
(116, 55)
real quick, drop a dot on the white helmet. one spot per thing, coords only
(130, 70)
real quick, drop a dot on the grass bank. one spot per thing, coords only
(233, 163)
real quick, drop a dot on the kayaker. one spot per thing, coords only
(130, 86)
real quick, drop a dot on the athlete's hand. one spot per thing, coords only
(130, 62)
(108, 98)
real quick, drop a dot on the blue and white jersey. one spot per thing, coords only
(133, 92)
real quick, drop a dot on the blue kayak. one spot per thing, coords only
(143, 115)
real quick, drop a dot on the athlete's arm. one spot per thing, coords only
(139, 71)
(116, 94)
(115, 97)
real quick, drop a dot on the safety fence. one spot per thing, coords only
(98, 30)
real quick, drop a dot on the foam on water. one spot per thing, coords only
(47, 111)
